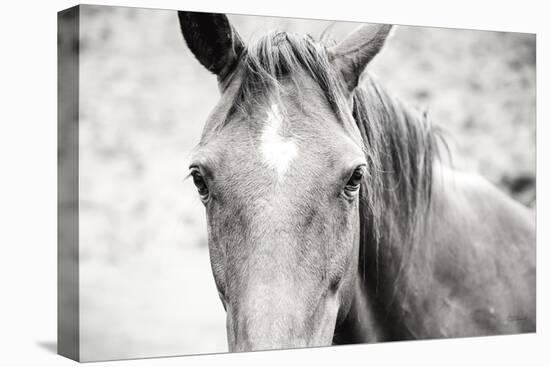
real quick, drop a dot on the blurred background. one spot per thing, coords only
(146, 287)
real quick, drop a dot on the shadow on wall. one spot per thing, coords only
(49, 346)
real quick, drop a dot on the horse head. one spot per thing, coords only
(279, 169)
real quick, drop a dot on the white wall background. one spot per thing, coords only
(29, 182)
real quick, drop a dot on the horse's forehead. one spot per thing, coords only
(290, 131)
(277, 150)
(282, 140)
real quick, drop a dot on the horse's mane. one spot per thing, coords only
(399, 142)
(401, 146)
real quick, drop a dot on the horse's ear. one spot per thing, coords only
(212, 40)
(352, 55)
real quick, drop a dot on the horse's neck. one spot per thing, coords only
(442, 272)
(383, 288)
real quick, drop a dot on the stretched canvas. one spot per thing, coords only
(234, 183)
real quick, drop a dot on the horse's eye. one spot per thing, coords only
(200, 183)
(354, 181)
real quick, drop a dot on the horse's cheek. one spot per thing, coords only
(348, 225)
(217, 251)
(342, 246)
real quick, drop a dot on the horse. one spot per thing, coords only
(333, 216)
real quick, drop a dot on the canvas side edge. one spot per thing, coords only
(68, 312)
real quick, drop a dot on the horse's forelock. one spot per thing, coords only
(281, 57)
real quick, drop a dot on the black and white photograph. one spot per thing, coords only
(252, 183)
(240, 183)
